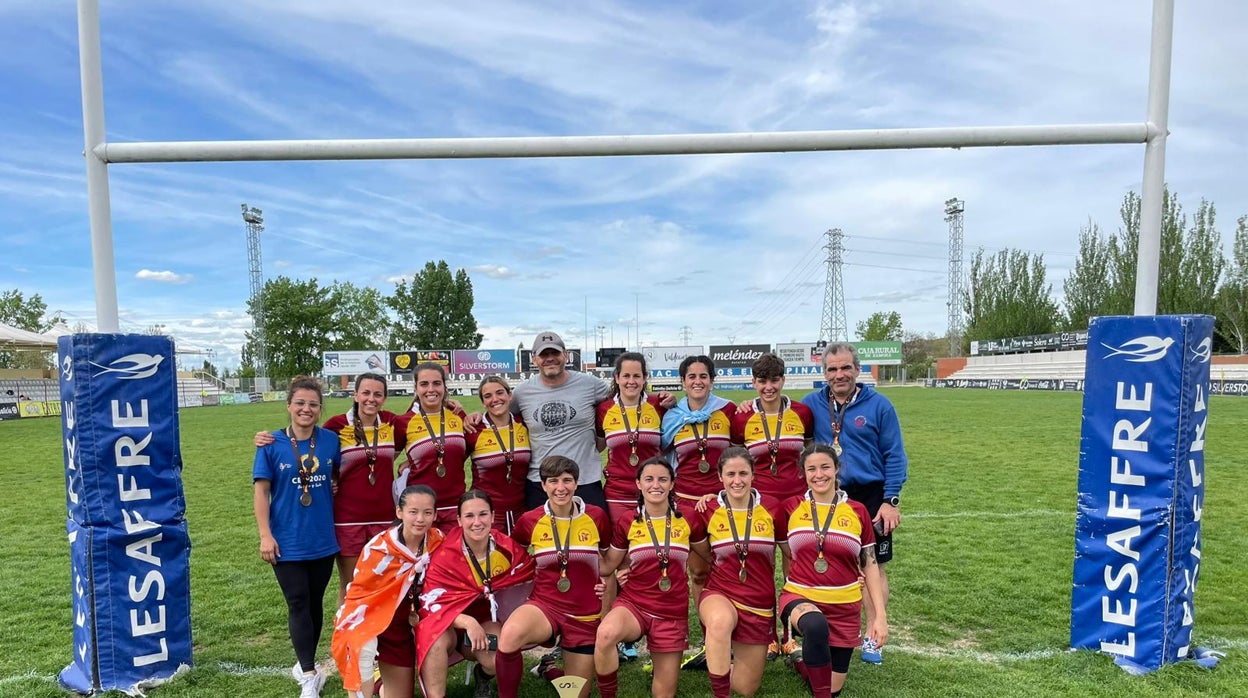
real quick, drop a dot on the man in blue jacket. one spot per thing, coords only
(863, 429)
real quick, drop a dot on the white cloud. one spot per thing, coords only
(494, 271)
(164, 277)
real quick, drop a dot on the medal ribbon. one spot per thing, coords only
(837, 416)
(821, 531)
(418, 584)
(665, 551)
(561, 554)
(305, 473)
(773, 447)
(370, 451)
(439, 444)
(511, 443)
(633, 435)
(476, 566)
(742, 545)
(701, 440)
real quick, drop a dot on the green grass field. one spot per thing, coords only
(981, 583)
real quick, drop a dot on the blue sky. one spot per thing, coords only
(727, 245)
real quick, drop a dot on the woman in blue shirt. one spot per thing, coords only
(293, 500)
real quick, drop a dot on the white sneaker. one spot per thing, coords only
(310, 685)
(296, 671)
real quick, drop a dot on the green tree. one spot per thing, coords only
(299, 318)
(361, 320)
(1084, 289)
(880, 327)
(1232, 325)
(16, 310)
(434, 310)
(920, 351)
(1008, 296)
(209, 368)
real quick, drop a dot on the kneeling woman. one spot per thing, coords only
(475, 578)
(737, 608)
(567, 538)
(832, 544)
(378, 618)
(654, 602)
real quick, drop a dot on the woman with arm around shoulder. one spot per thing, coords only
(737, 607)
(435, 444)
(654, 544)
(832, 543)
(500, 451)
(630, 421)
(293, 504)
(463, 601)
(378, 618)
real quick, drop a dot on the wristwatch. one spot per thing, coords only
(895, 501)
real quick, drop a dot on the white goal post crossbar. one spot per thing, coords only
(100, 153)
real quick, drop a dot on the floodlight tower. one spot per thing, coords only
(832, 328)
(255, 225)
(953, 215)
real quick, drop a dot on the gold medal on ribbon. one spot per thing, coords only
(742, 575)
(372, 478)
(836, 448)
(306, 499)
(704, 466)
(441, 470)
(821, 565)
(563, 585)
(413, 619)
(633, 459)
(665, 584)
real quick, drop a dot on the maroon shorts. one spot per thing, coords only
(353, 537)
(447, 519)
(752, 629)
(662, 634)
(396, 645)
(844, 619)
(572, 632)
(617, 511)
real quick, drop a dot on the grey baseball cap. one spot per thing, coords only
(548, 340)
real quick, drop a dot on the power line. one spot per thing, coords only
(881, 266)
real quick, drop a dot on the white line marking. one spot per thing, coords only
(988, 514)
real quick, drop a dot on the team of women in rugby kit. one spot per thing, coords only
(700, 496)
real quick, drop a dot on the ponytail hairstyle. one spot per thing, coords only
(413, 490)
(618, 366)
(355, 405)
(671, 494)
(474, 494)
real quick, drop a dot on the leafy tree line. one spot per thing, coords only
(1009, 295)
(433, 310)
(24, 313)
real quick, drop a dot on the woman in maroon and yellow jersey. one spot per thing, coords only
(630, 421)
(774, 429)
(436, 447)
(567, 537)
(500, 453)
(737, 607)
(654, 602)
(832, 545)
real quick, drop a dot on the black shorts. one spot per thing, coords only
(872, 496)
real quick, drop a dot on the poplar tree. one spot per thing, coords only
(434, 310)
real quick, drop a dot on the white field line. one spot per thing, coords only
(1028, 513)
(1216, 643)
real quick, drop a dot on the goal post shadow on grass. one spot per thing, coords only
(96, 462)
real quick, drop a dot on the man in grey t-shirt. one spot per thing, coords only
(558, 407)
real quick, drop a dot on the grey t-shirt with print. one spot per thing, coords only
(561, 421)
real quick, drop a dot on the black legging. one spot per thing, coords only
(303, 584)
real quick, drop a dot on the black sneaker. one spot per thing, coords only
(695, 661)
(481, 683)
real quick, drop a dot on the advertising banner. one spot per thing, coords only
(1141, 488)
(8, 410)
(483, 361)
(353, 363)
(606, 356)
(878, 353)
(736, 355)
(661, 360)
(800, 354)
(129, 550)
(404, 362)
